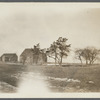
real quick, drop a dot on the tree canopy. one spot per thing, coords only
(59, 49)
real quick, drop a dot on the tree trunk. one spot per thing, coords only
(61, 61)
(55, 58)
(81, 61)
(86, 62)
(90, 62)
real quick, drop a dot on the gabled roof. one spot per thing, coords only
(9, 54)
(27, 51)
(30, 52)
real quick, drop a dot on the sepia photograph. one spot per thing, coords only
(49, 50)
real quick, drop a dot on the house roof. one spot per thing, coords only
(9, 54)
(27, 51)
(30, 52)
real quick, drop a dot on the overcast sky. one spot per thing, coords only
(23, 25)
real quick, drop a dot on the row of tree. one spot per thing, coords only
(60, 49)
(88, 54)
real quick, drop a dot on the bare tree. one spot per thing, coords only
(86, 55)
(92, 54)
(78, 55)
(89, 54)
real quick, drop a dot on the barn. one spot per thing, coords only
(9, 57)
(33, 56)
(27, 56)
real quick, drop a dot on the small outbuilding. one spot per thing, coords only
(9, 57)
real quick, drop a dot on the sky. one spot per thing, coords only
(22, 25)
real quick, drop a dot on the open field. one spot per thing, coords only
(69, 78)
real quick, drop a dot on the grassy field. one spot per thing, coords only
(79, 79)
(69, 78)
(7, 79)
(88, 76)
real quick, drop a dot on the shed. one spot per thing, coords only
(9, 57)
